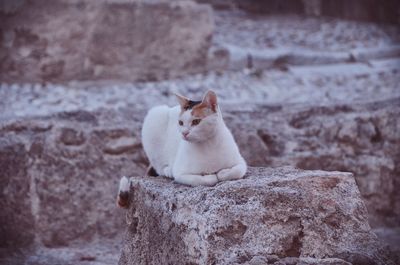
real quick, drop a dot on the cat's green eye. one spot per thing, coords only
(196, 121)
(181, 123)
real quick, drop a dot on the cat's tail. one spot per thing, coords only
(123, 192)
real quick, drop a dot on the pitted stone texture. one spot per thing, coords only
(88, 40)
(283, 212)
(60, 175)
(359, 138)
(15, 200)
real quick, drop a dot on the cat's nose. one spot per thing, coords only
(185, 134)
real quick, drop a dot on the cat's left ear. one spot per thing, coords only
(210, 100)
(183, 101)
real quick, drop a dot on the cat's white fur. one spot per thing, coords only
(194, 155)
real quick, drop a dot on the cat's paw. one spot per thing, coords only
(168, 172)
(209, 180)
(224, 174)
(197, 180)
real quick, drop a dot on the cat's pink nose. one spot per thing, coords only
(185, 134)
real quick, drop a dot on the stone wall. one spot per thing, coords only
(88, 40)
(60, 176)
(64, 168)
(358, 138)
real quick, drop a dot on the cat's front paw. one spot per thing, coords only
(168, 172)
(209, 180)
(224, 174)
(197, 180)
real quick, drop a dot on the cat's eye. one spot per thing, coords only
(196, 121)
(181, 123)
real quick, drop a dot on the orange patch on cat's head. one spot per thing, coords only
(207, 106)
(201, 111)
(202, 108)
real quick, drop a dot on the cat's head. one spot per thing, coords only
(198, 120)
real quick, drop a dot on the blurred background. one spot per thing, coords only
(313, 84)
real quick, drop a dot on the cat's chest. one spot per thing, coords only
(204, 160)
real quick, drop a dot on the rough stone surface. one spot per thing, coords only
(283, 212)
(242, 40)
(360, 138)
(69, 163)
(125, 40)
(15, 204)
(291, 31)
(60, 176)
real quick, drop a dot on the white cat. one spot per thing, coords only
(191, 143)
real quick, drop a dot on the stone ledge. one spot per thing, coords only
(285, 213)
(231, 57)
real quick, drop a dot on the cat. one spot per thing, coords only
(189, 143)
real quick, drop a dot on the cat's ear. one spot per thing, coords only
(210, 100)
(183, 101)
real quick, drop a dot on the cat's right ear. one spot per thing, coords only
(182, 100)
(210, 100)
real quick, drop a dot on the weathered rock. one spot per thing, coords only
(74, 160)
(309, 39)
(17, 212)
(122, 145)
(376, 53)
(125, 40)
(71, 137)
(283, 212)
(60, 175)
(231, 57)
(358, 138)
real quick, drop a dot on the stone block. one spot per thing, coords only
(89, 40)
(283, 213)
